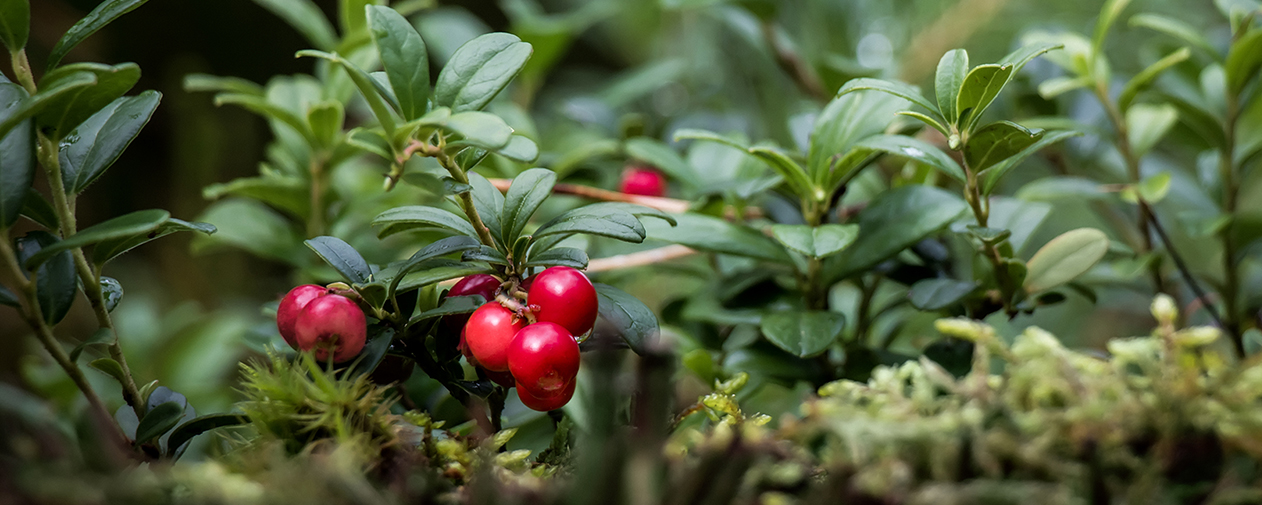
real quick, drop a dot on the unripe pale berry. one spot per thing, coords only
(291, 305)
(332, 322)
(564, 296)
(543, 359)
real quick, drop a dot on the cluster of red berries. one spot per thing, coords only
(541, 358)
(315, 317)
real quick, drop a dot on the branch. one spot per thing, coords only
(672, 205)
(639, 259)
(1178, 261)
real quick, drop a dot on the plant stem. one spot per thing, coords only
(1231, 190)
(981, 212)
(315, 222)
(1182, 266)
(466, 198)
(663, 204)
(22, 67)
(91, 280)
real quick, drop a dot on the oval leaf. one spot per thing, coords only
(412, 217)
(527, 193)
(712, 234)
(923, 152)
(404, 56)
(17, 155)
(894, 221)
(158, 421)
(127, 225)
(64, 113)
(56, 281)
(98, 142)
(803, 333)
(996, 142)
(936, 294)
(195, 427)
(15, 23)
(952, 69)
(479, 70)
(342, 257)
(106, 250)
(1064, 258)
(816, 242)
(634, 321)
(102, 15)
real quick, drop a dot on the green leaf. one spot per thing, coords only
(104, 13)
(596, 219)
(1064, 258)
(1057, 86)
(109, 367)
(1112, 9)
(803, 333)
(124, 226)
(894, 221)
(405, 59)
(205, 82)
(1018, 58)
(489, 203)
(938, 294)
(634, 321)
(790, 170)
(106, 250)
(660, 155)
(36, 208)
(996, 142)
(97, 143)
(980, 87)
(252, 226)
(952, 69)
(898, 89)
(998, 170)
(51, 94)
(367, 87)
(305, 17)
(158, 420)
(15, 23)
(452, 305)
(287, 193)
(195, 427)
(816, 242)
(479, 70)
(17, 155)
(1243, 60)
(695, 134)
(1177, 29)
(844, 122)
(712, 234)
(64, 113)
(102, 336)
(520, 149)
(56, 281)
(917, 150)
(1147, 124)
(1142, 80)
(412, 217)
(479, 129)
(486, 253)
(1061, 187)
(527, 193)
(442, 247)
(342, 257)
(112, 292)
(559, 256)
(261, 106)
(325, 120)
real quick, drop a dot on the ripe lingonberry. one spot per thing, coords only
(487, 334)
(643, 180)
(546, 404)
(543, 359)
(331, 322)
(564, 296)
(480, 284)
(291, 305)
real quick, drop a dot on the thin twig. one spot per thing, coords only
(1178, 262)
(672, 205)
(638, 259)
(793, 64)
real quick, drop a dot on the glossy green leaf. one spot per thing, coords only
(405, 59)
(1244, 59)
(36, 208)
(64, 113)
(559, 256)
(479, 70)
(634, 321)
(1057, 86)
(185, 432)
(51, 94)
(952, 69)
(695, 134)
(56, 282)
(489, 203)
(442, 247)
(479, 129)
(412, 217)
(920, 151)
(451, 306)
(342, 257)
(204, 82)
(15, 23)
(261, 106)
(527, 193)
(1177, 29)
(711, 234)
(1142, 80)
(816, 242)
(995, 142)
(803, 333)
(982, 84)
(597, 219)
(366, 85)
(486, 253)
(305, 17)
(102, 336)
(999, 170)
(106, 250)
(520, 149)
(17, 156)
(894, 221)
(104, 13)
(938, 294)
(158, 421)
(898, 89)
(112, 292)
(789, 169)
(127, 225)
(97, 143)
(109, 367)
(1147, 123)
(845, 121)
(1065, 258)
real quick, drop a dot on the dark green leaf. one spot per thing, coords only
(1064, 258)
(36, 208)
(104, 13)
(367, 87)
(17, 152)
(163, 394)
(996, 142)
(112, 291)
(451, 305)
(102, 336)
(412, 217)
(998, 170)
(109, 367)
(790, 170)
(1142, 80)
(520, 149)
(559, 256)
(894, 221)
(634, 321)
(952, 69)
(844, 122)
(816, 242)
(898, 89)
(441, 271)
(489, 203)
(158, 421)
(712, 234)
(121, 227)
(1243, 60)
(479, 70)
(379, 338)
(595, 219)
(305, 17)
(62, 114)
(56, 281)
(937, 294)
(15, 23)
(803, 333)
(107, 250)
(404, 56)
(443, 247)
(51, 94)
(914, 149)
(97, 143)
(979, 89)
(342, 257)
(195, 427)
(486, 253)
(952, 354)
(529, 190)
(479, 129)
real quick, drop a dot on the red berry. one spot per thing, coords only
(487, 334)
(543, 359)
(546, 404)
(642, 180)
(502, 378)
(564, 296)
(480, 284)
(332, 322)
(291, 305)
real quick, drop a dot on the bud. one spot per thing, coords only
(1164, 310)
